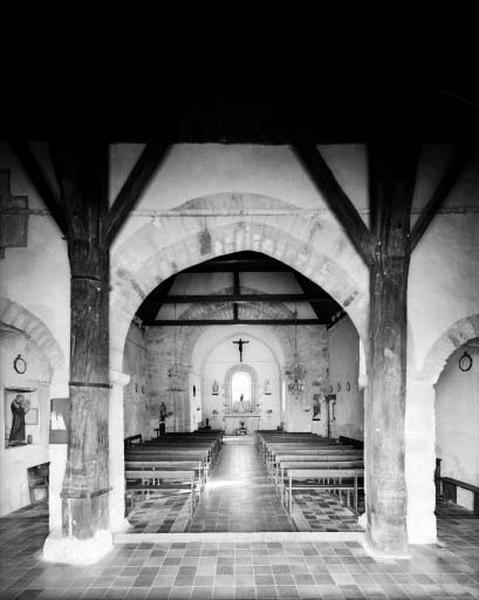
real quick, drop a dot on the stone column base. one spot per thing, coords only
(71, 550)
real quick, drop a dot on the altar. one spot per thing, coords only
(232, 422)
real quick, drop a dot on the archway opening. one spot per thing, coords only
(222, 340)
(457, 431)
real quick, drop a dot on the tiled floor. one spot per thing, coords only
(240, 497)
(251, 570)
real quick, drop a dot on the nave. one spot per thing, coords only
(243, 493)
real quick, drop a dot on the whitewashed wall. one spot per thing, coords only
(457, 422)
(15, 461)
(344, 369)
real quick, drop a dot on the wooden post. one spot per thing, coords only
(392, 178)
(82, 171)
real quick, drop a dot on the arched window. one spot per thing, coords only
(241, 392)
(241, 389)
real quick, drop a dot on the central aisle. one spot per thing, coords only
(239, 496)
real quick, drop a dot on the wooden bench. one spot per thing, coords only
(331, 480)
(288, 461)
(146, 481)
(449, 490)
(274, 450)
(171, 465)
(133, 440)
(142, 453)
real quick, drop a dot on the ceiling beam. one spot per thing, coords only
(134, 187)
(335, 197)
(193, 298)
(152, 304)
(240, 265)
(39, 180)
(305, 285)
(452, 174)
(204, 322)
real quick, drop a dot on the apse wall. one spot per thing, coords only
(343, 373)
(457, 422)
(256, 357)
(34, 384)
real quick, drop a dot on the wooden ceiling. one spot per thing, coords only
(325, 308)
(255, 103)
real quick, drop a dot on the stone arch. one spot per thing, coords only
(314, 247)
(17, 316)
(458, 334)
(254, 381)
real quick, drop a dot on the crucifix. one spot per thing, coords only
(240, 343)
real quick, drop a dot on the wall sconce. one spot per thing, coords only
(267, 388)
(215, 388)
(465, 362)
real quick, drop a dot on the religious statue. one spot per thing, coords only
(162, 419)
(19, 407)
(240, 344)
(163, 411)
(241, 406)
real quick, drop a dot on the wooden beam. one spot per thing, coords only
(152, 304)
(193, 298)
(82, 170)
(458, 163)
(242, 266)
(392, 178)
(304, 284)
(134, 187)
(204, 322)
(335, 197)
(38, 178)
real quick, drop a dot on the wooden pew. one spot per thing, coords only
(335, 480)
(185, 444)
(147, 480)
(142, 454)
(336, 463)
(133, 440)
(449, 489)
(305, 457)
(274, 449)
(170, 465)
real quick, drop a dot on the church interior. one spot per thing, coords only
(239, 350)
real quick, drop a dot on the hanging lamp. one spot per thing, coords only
(296, 372)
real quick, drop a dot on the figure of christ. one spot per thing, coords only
(241, 343)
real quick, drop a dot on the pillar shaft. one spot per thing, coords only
(86, 483)
(385, 406)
